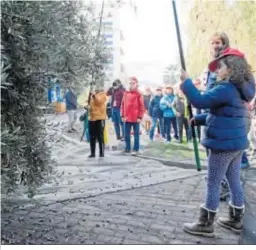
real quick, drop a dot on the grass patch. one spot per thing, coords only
(173, 150)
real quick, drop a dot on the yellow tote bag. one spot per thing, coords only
(105, 135)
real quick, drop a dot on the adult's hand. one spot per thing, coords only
(138, 120)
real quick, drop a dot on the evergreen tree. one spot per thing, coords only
(236, 18)
(40, 39)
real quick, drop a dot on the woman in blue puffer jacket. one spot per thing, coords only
(166, 105)
(226, 137)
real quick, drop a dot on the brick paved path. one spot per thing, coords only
(147, 215)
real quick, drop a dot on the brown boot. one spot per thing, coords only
(234, 222)
(204, 226)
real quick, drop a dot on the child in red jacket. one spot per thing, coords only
(132, 110)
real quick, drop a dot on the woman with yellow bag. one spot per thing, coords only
(97, 116)
(105, 134)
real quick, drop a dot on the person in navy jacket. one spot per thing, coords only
(226, 137)
(156, 113)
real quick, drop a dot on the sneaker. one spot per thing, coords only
(91, 156)
(127, 152)
(135, 153)
(161, 139)
(245, 165)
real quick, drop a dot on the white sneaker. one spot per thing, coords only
(161, 140)
(135, 153)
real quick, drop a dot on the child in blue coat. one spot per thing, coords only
(226, 137)
(166, 105)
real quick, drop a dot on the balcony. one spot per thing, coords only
(122, 68)
(121, 51)
(122, 36)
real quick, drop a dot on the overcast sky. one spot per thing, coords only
(151, 42)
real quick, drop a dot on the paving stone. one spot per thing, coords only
(155, 220)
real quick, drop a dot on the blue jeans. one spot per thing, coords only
(219, 165)
(136, 130)
(154, 125)
(116, 118)
(244, 157)
(168, 121)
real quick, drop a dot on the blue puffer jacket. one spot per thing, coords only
(228, 117)
(154, 107)
(165, 101)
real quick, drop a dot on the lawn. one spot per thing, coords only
(173, 150)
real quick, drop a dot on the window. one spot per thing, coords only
(122, 36)
(108, 42)
(121, 51)
(122, 69)
(108, 35)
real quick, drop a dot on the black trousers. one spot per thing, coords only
(96, 132)
(183, 121)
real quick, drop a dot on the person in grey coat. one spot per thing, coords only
(181, 117)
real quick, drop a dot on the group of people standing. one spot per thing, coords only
(168, 112)
(225, 109)
(127, 112)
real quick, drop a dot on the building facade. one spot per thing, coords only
(114, 37)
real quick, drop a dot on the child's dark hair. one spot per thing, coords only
(240, 69)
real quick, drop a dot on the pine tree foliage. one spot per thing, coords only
(39, 39)
(236, 18)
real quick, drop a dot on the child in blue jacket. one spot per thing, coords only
(156, 113)
(166, 105)
(226, 137)
(84, 118)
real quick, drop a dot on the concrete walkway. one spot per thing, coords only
(116, 200)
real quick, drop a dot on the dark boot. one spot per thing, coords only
(101, 147)
(93, 148)
(204, 226)
(234, 222)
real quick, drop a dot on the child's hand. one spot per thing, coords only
(192, 122)
(184, 75)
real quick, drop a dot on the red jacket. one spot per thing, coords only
(132, 107)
